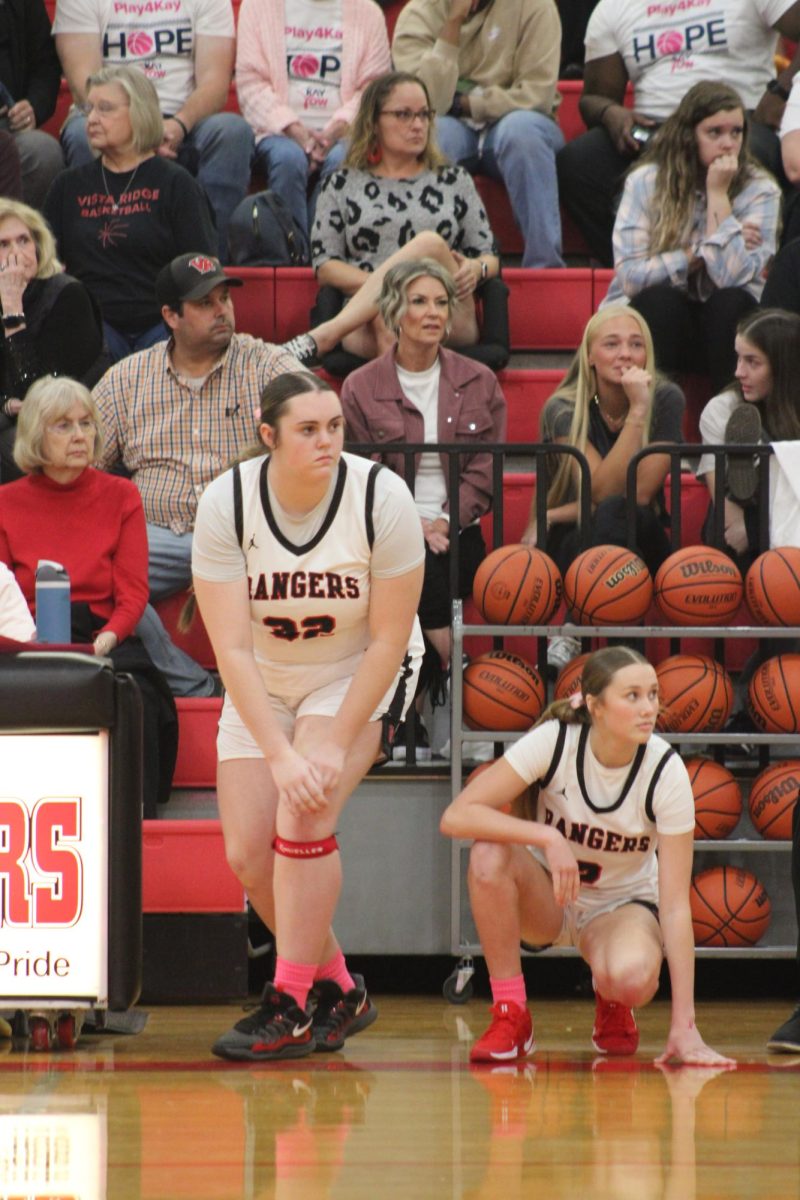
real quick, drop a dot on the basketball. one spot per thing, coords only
(730, 907)
(696, 694)
(698, 586)
(772, 587)
(517, 585)
(569, 678)
(773, 797)
(717, 798)
(774, 694)
(502, 691)
(608, 585)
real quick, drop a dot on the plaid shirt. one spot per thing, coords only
(175, 438)
(726, 260)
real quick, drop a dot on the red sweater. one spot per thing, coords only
(95, 527)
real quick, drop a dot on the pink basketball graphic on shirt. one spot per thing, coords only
(304, 65)
(140, 42)
(670, 42)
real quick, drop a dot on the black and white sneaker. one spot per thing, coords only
(278, 1028)
(339, 1014)
(743, 429)
(786, 1040)
(304, 349)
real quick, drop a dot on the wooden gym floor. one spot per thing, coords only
(399, 1113)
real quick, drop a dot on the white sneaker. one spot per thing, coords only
(561, 650)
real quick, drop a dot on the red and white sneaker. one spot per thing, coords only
(509, 1036)
(615, 1030)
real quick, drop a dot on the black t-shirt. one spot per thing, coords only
(116, 234)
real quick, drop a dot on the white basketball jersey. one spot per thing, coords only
(309, 603)
(611, 817)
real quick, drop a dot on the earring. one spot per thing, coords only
(374, 153)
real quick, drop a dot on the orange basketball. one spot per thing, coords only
(569, 678)
(517, 585)
(502, 691)
(696, 694)
(774, 694)
(608, 585)
(698, 586)
(717, 798)
(773, 797)
(730, 907)
(772, 586)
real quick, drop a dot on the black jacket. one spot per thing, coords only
(29, 65)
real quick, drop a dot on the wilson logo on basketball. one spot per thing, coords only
(631, 568)
(788, 787)
(710, 567)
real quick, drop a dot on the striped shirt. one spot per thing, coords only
(726, 260)
(175, 435)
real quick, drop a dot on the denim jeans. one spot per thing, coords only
(170, 561)
(223, 146)
(520, 151)
(119, 345)
(285, 167)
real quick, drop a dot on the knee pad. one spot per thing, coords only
(318, 849)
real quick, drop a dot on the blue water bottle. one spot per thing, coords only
(53, 615)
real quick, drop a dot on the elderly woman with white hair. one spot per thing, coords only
(119, 219)
(92, 523)
(419, 391)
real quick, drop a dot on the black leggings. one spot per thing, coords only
(610, 528)
(690, 336)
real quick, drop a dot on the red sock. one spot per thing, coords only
(512, 989)
(294, 978)
(336, 970)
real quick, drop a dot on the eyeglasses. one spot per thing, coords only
(65, 428)
(406, 115)
(103, 108)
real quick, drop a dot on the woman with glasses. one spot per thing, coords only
(121, 218)
(395, 199)
(93, 524)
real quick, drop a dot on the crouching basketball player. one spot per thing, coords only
(583, 870)
(308, 568)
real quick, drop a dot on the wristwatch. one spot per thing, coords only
(9, 320)
(484, 270)
(777, 89)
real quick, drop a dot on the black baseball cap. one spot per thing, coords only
(190, 277)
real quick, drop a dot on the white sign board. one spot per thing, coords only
(54, 868)
(53, 1155)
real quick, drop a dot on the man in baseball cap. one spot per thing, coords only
(175, 416)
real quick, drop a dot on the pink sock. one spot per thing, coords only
(294, 978)
(336, 970)
(512, 989)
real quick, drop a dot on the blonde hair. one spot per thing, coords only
(147, 124)
(579, 389)
(393, 300)
(47, 401)
(47, 264)
(364, 130)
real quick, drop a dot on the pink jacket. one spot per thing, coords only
(472, 408)
(261, 77)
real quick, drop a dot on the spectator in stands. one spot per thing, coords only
(94, 525)
(16, 621)
(695, 233)
(782, 289)
(394, 199)
(610, 405)
(491, 71)
(175, 416)
(421, 392)
(51, 325)
(300, 84)
(790, 158)
(122, 217)
(187, 50)
(761, 404)
(663, 49)
(574, 16)
(30, 76)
